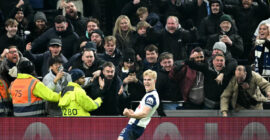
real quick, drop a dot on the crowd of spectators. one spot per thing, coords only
(208, 54)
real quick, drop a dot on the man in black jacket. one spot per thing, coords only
(75, 18)
(108, 85)
(62, 30)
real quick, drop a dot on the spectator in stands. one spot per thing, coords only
(74, 102)
(75, 18)
(41, 61)
(131, 7)
(5, 100)
(141, 117)
(212, 88)
(262, 47)
(56, 80)
(267, 21)
(61, 30)
(61, 4)
(229, 36)
(190, 82)
(109, 85)
(22, 23)
(123, 31)
(8, 8)
(247, 17)
(28, 93)
(91, 24)
(111, 54)
(130, 73)
(97, 36)
(10, 59)
(210, 24)
(151, 18)
(167, 89)
(151, 58)
(174, 39)
(38, 27)
(10, 37)
(244, 91)
(144, 36)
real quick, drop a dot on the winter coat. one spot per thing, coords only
(69, 41)
(230, 94)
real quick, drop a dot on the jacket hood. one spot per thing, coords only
(220, 5)
(68, 96)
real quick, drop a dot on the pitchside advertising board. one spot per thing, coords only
(167, 128)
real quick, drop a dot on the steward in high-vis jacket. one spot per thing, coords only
(74, 102)
(5, 101)
(28, 93)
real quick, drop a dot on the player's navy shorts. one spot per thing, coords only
(131, 132)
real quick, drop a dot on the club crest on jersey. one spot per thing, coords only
(150, 101)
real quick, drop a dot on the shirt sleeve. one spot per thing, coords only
(150, 101)
(40, 90)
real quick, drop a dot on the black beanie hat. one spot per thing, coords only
(98, 31)
(76, 74)
(26, 67)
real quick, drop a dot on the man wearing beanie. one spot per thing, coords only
(247, 16)
(28, 93)
(38, 27)
(74, 102)
(229, 36)
(97, 36)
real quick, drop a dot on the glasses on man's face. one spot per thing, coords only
(13, 52)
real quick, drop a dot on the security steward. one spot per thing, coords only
(28, 92)
(5, 101)
(74, 102)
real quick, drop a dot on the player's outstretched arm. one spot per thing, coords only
(138, 115)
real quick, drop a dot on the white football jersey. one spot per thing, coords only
(150, 99)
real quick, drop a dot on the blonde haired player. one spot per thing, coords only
(143, 113)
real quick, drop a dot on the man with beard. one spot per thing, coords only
(11, 58)
(11, 37)
(62, 30)
(42, 60)
(244, 91)
(191, 82)
(108, 85)
(209, 25)
(75, 18)
(38, 27)
(111, 54)
(212, 88)
(74, 102)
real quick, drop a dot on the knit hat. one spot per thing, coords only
(220, 46)
(76, 74)
(225, 17)
(129, 55)
(90, 45)
(55, 41)
(98, 31)
(40, 16)
(26, 67)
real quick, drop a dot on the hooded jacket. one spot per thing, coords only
(75, 102)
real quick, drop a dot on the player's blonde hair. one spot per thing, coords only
(150, 73)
